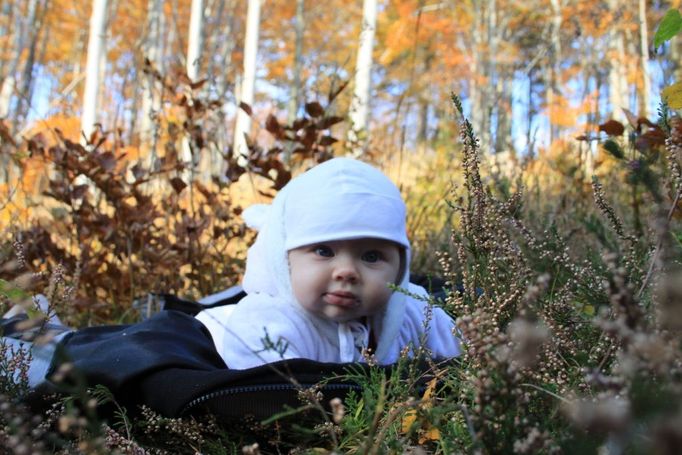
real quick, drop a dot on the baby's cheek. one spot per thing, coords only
(385, 294)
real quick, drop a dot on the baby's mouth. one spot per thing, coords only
(340, 298)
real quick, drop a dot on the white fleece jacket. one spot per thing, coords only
(337, 200)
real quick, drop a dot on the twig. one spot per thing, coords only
(558, 397)
(659, 245)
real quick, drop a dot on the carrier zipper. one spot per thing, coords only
(262, 388)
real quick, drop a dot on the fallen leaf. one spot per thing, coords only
(427, 432)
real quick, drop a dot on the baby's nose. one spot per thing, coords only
(346, 271)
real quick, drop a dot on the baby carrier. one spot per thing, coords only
(168, 362)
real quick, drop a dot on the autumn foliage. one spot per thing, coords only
(558, 245)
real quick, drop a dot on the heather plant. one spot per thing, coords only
(532, 341)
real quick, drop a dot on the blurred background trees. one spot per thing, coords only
(529, 73)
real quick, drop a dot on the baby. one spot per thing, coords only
(321, 274)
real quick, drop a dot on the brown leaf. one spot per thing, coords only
(327, 122)
(314, 109)
(97, 134)
(138, 171)
(266, 194)
(299, 123)
(183, 78)
(642, 144)
(234, 172)
(655, 137)
(334, 92)
(246, 108)
(107, 161)
(37, 145)
(198, 84)
(645, 121)
(327, 140)
(612, 128)
(79, 191)
(273, 126)
(177, 184)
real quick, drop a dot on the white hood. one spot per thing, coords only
(336, 200)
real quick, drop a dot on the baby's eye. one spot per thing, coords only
(372, 256)
(324, 251)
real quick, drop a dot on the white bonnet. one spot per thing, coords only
(339, 199)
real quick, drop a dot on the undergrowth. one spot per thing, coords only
(568, 303)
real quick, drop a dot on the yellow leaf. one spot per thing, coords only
(428, 393)
(672, 95)
(427, 433)
(432, 434)
(408, 420)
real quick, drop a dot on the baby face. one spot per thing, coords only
(344, 279)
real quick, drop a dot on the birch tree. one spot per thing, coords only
(38, 33)
(153, 51)
(618, 86)
(92, 78)
(553, 66)
(220, 61)
(24, 37)
(219, 68)
(359, 107)
(644, 59)
(479, 83)
(294, 98)
(195, 42)
(245, 92)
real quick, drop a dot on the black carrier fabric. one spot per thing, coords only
(169, 363)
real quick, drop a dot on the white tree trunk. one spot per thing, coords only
(243, 122)
(480, 93)
(294, 98)
(554, 65)
(195, 42)
(151, 100)
(92, 77)
(644, 56)
(220, 72)
(22, 34)
(618, 87)
(359, 108)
